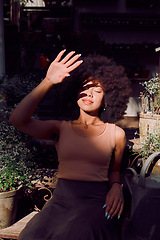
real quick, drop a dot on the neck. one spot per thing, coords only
(88, 119)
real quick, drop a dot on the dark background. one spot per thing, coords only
(126, 30)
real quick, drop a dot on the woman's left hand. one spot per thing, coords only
(114, 201)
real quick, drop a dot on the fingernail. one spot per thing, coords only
(106, 214)
(81, 61)
(119, 217)
(108, 217)
(104, 205)
(79, 55)
(64, 50)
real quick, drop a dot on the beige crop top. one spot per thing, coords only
(84, 158)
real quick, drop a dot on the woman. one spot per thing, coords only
(88, 199)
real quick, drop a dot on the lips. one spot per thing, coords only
(87, 101)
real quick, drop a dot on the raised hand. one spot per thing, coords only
(59, 69)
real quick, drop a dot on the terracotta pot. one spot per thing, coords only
(8, 207)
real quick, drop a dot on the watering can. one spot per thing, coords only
(144, 221)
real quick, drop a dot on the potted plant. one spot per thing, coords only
(20, 155)
(16, 168)
(150, 145)
(149, 120)
(142, 176)
(13, 175)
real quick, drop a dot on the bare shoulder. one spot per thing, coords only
(120, 135)
(120, 132)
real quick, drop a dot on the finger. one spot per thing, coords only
(59, 55)
(67, 57)
(115, 210)
(75, 65)
(108, 208)
(121, 210)
(72, 60)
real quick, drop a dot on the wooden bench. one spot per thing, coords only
(14, 230)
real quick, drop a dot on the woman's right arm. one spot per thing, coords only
(21, 117)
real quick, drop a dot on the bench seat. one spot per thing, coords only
(13, 231)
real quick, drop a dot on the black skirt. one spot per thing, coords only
(75, 212)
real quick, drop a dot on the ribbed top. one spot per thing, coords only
(85, 158)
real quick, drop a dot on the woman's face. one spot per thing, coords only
(90, 97)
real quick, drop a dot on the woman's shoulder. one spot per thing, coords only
(119, 130)
(114, 127)
(120, 134)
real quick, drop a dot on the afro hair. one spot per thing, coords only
(113, 79)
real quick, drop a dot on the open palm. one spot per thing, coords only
(59, 69)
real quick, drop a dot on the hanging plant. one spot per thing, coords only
(150, 98)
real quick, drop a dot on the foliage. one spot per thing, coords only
(16, 160)
(150, 145)
(14, 174)
(1, 97)
(152, 86)
(20, 154)
(151, 97)
(45, 155)
(15, 88)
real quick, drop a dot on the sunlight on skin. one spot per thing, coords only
(90, 98)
